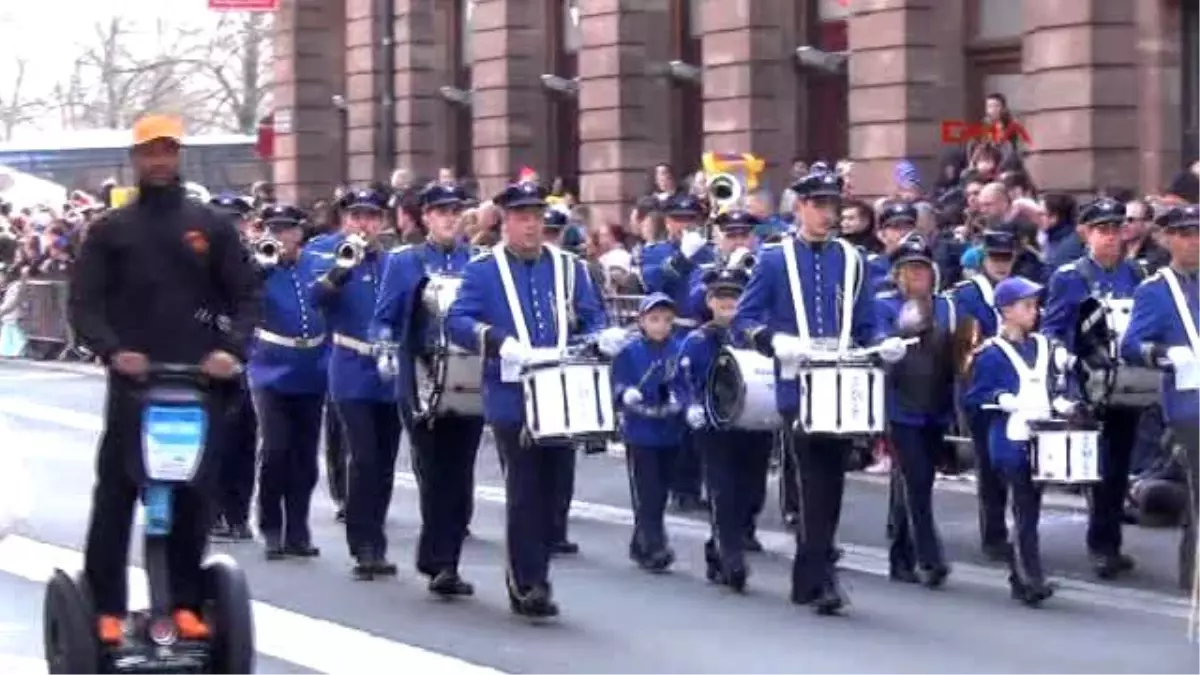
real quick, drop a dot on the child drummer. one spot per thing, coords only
(734, 461)
(651, 426)
(1014, 373)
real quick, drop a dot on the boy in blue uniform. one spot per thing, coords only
(651, 426)
(897, 220)
(1014, 373)
(734, 460)
(920, 402)
(287, 376)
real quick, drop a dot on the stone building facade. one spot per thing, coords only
(599, 91)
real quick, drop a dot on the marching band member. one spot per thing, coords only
(974, 299)
(768, 314)
(1014, 372)
(511, 332)
(346, 292)
(651, 425)
(1104, 272)
(665, 268)
(734, 460)
(1163, 333)
(897, 219)
(920, 402)
(288, 380)
(444, 446)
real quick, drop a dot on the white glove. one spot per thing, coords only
(514, 353)
(1179, 356)
(1063, 359)
(672, 402)
(695, 416)
(735, 258)
(387, 365)
(1007, 403)
(691, 242)
(631, 397)
(1062, 406)
(892, 349)
(789, 349)
(611, 341)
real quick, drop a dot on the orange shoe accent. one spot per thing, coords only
(190, 626)
(111, 629)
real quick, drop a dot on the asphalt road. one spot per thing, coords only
(312, 618)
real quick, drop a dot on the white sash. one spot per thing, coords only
(1033, 397)
(989, 295)
(514, 301)
(849, 279)
(1185, 313)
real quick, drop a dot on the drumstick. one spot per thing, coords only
(868, 351)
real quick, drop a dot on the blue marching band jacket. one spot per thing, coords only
(652, 369)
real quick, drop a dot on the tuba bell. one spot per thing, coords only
(730, 178)
(267, 251)
(350, 252)
(725, 191)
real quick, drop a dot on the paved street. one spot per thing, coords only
(311, 617)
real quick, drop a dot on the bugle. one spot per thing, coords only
(267, 251)
(350, 252)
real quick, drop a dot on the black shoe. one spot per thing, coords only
(934, 576)
(1111, 565)
(804, 597)
(448, 584)
(751, 544)
(274, 547)
(1031, 595)
(383, 567)
(830, 599)
(564, 547)
(240, 533)
(736, 579)
(364, 568)
(534, 604)
(305, 550)
(903, 574)
(660, 561)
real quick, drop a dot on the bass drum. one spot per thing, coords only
(741, 391)
(448, 379)
(1104, 379)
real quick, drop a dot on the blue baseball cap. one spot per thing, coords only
(654, 301)
(1103, 211)
(1014, 289)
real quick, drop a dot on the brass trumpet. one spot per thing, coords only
(267, 251)
(725, 191)
(350, 252)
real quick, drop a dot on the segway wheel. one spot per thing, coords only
(227, 611)
(69, 627)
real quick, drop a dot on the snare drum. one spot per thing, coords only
(842, 398)
(1105, 378)
(741, 391)
(1061, 451)
(448, 379)
(568, 401)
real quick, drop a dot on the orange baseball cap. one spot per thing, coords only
(155, 127)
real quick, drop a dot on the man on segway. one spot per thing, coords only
(149, 284)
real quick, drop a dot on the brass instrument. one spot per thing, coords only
(730, 179)
(350, 252)
(197, 192)
(267, 251)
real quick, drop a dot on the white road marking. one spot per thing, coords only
(39, 376)
(865, 559)
(314, 643)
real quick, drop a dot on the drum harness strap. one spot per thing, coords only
(989, 296)
(1033, 394)
(1087, 269)
(1185, 314)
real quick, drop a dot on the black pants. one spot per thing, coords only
(533, 481)
(444, 462)
(650, 468)
(820, 482)
(336, 458)
(759, 467)
(238, 454)
(373, 441)
(733, 462)
(1107, 510)
(911, 527)
(119, 479)
(287, 470)
(565, 494)
(1187, 436)
(1025, 559)
(990, 490)
(686, 476)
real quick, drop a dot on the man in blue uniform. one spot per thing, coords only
(974, 301)
(666, 267)
(336, 460)
(444, 442)
(287, 376)
(832, 317)
(1163, 333)
(897, 219)
(346, 291)
(520, 271)
(1103, 273)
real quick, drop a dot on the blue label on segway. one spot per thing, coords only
(173, 441)
(156, 499)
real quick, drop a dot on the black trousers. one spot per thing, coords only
(443, 457)
(686, 477)
(337, 460)
(1106, 512)
(287, 472)
(1187, 436)
(911, 526)
(990, 486)
(238, 455)
(119, 479)
(650, 468)
(373, 441)
(820, 482)
(734, 466)
(533, 484)
(760, 467)
(1025, 496)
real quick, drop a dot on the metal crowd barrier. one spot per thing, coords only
(44, 317)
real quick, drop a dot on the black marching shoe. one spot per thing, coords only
(383, 567)
(934, 576)
(751, 544)
(1030, 594)
(830, 599)
(1111, 565)
(535, 603)
(448, 584)
(564, 547)
(364, 568)
(736, 579)
(274, 547)
(302, 550)
(659, 561)
(903, 574)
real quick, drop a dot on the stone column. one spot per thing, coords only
(307, 75)
(623, 128)
(898, 88)
(749, 79)
(1159, 105)
(362, 89)
(509, 104)
(1080, 67)
(420, 64)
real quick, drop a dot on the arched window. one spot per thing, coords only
(686, 111)
(461, 127)
(562, 143)
(994, 33)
